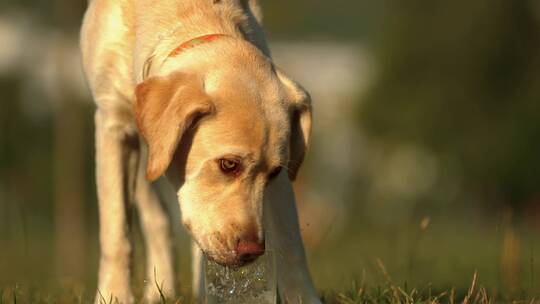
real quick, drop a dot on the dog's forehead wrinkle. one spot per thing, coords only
(244, 82)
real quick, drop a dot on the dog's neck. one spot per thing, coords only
(181, 22)
(149, 63)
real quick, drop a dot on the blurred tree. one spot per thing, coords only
(462, 79)
(45, 12)
(69, 154)
(336, 20)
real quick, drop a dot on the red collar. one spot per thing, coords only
(194, 42)
(179, 49)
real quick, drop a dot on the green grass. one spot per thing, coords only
(391, 293)
(398, 262)
(356, 293)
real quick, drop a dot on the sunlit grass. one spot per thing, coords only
(358, 292)
(419, 262)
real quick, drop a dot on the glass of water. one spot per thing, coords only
(254, 283)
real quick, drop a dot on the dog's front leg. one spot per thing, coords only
(283, 236)
(159, 243)
(114, 150)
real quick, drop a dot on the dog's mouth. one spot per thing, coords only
(230, 259)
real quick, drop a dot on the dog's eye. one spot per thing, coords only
(274, 173)
(229, 166)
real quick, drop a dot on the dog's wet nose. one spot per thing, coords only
(248, 251)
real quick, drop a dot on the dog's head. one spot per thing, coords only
(221, 134)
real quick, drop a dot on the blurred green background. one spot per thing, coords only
(425, 155)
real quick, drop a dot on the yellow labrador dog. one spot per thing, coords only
(194, 80)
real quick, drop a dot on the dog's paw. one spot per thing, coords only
(299, 293)
(296, 287)
(155, 294)
(300, 298)
(106, 297)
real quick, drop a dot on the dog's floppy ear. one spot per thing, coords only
(300, 105)
(165, 108)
